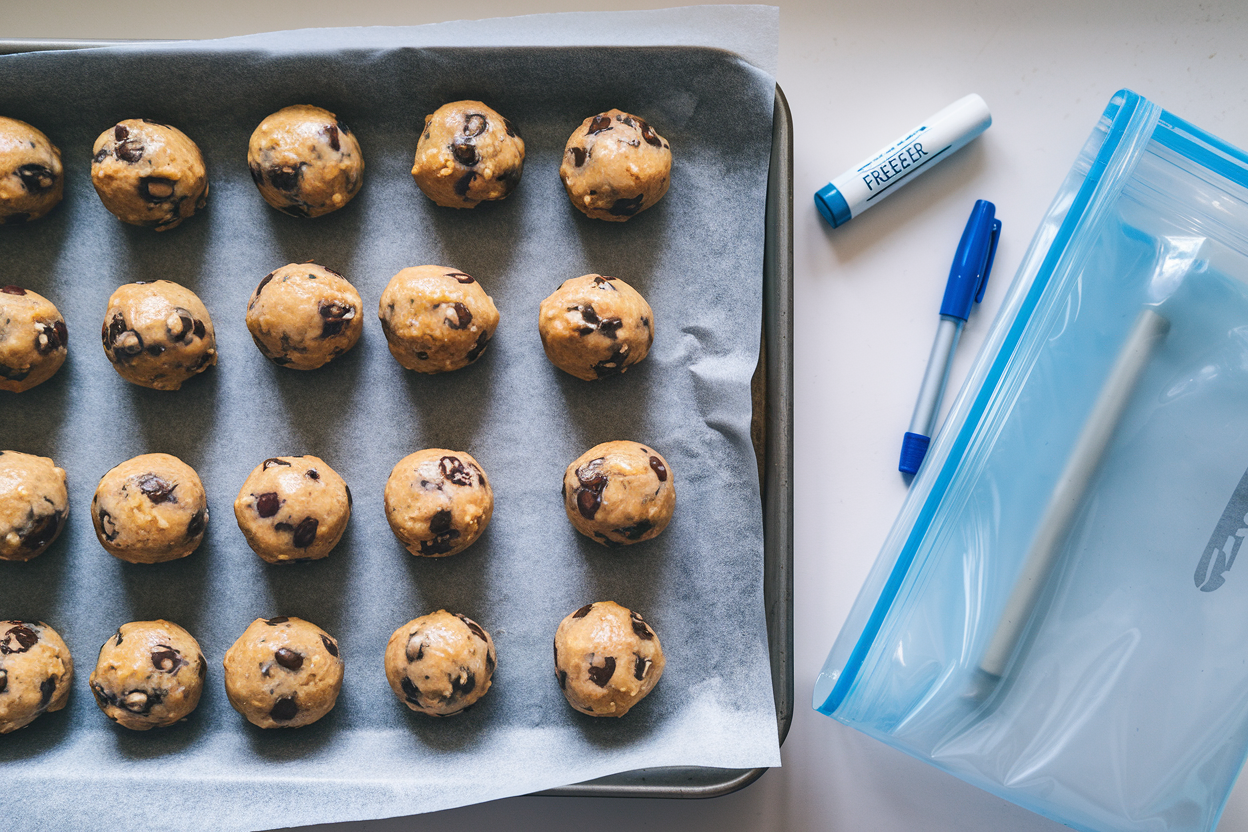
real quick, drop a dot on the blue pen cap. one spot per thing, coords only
(971, 265)
(832, 205)
(913, 450)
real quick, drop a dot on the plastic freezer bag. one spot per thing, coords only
(1057, 616)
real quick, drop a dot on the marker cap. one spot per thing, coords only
(832, 205)
(913, 449)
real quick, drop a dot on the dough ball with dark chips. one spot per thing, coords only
(34, 504)
(283, 672)
(150, 509)
(149, 174)
(441, 663)
(607, 659)
(615, 166)
(594, 326)
(436, 319)
(619, 493)
(305, 161)
(293, 508)
(467, 154)
(149, 674)
(438, 502)
(303, 316)
(36, 672)
(33, 339)
(32, 179)
(158, 334)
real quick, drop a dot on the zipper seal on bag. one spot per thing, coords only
(1130, 130)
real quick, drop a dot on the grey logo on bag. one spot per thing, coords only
(1225, 542)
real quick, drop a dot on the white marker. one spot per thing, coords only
(880, 174)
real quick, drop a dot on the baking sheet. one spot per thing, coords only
(697, 256)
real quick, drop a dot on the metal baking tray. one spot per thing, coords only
(772, 434)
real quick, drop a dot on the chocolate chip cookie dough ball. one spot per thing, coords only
(33, 339)
(293, 508)
(36, 672)
(305, 161)
(607, 658)
(438, 502)
(33, 504)
(595, 326)
(149, 174)
(283, 673)
(441, 663)
(615, 166)
(158, 334)
(150, 674)
(467, 154)
(150, 509)
(31, 177)
(436, 319)
(303, 316)
(619, 493)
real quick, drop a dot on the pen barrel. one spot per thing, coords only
(936, 376)
(1067, 496)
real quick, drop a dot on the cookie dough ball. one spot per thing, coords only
(36, 672)
(150, 509)
(615, 166)
(158, 334)
(467, 154)
(149, 174)
(283, 673)
(305, 161)
(33, 339)
(149, 675)
(595, 326)
(438, 502)
(607, 658)
(436, 319)
(619, 493)
(33, 504)
(293, 508)
(31, 177)
(303, 316)
(440, 664)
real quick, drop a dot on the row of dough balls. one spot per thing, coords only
(435, 319)
(438, 502)
(286, 672)
(307, 163)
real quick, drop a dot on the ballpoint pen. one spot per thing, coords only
(967, 279)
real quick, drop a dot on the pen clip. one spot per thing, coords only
(992, 253)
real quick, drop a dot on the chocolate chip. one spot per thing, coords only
(346, 131)
(156, 489)
(640, 627)
(454, 470)
(418, 653)
(562, 676)
(458, 316)
(18, 639)
(332, 132)
(626, 207)
(599, 124)
(4, 679)
(42, 530)
(305, 532)
(13, 290)
(583, 611)
(603, 281)
(651, 137)
(195, 526)
(117, 637)
(410, 690)
(510, 128)
(660, 469)
(592, 483)
(268, 503)
(461, 277)
(288, 658)
(166, 659)
(475, 124)
(130, 151)
(265, 282)
(335, 317)
(330, 645)
(46, 689)
(256, 175)
(609, 326)
(151, 121)
(202, 669)
(273, 622)
(465, 152)
(100, 155)
(473, 626)
(490, 662)
(616, 363)
(107, 525)
(285, 177)
(440, 523)
(271, 461)
(285, 709)
(199, 329)
(463, 183)
(589, 315)
(440, 545)
(284, 527)
(155, 349)
(483, 341)
(635, 531)
(640, 668)
(348, 494)
(120, 132)
(312, 474)
(156, 188)
(48, 337)
(578, 155)
(36, 179)
(601, 675)
(463, 684)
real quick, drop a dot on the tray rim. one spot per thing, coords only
(775, 369)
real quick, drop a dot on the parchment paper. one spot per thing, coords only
(696, 256)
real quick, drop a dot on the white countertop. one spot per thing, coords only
(856, 76)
